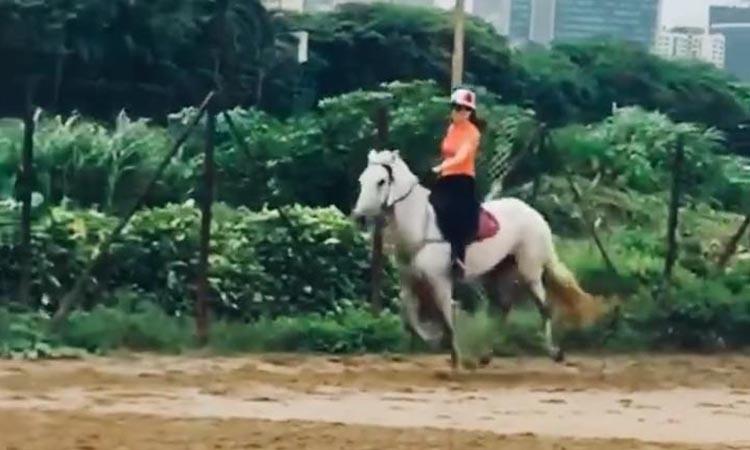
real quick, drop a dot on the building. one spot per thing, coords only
(287, 5)
(734, 24)
(328, 5)
(496, 12)
(691, 43)
(542, 21)
(520, 20)
(543, 27)
(629, 20)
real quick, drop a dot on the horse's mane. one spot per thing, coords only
(383, 156)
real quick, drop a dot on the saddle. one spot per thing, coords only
(488, 225)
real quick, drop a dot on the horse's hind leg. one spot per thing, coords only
(531, 267)
(499, 305)
(540, 299)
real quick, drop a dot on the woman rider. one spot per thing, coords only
(454, 195)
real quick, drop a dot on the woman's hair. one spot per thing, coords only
(478, 122)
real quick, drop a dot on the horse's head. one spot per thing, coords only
(385, 181)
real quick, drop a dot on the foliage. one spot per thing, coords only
(140, 325)
(72, 154)
(23, 336)
(360, 46)
(635, 149)
(98, 56)
(134, 325)
(262, 262)
(349, 331)
(155, 57)
(313, 159)
(628, 75)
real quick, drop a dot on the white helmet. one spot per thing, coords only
(464, 97)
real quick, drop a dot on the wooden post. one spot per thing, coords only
(207, 199)
(674, 210)
(457, 63)
(733, 242)
(377, 258)
(71, 297)
(27, 186)
(578, 198)
(591, 225)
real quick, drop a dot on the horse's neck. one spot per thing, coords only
(411, 219)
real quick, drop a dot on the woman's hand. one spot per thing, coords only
(437, 169)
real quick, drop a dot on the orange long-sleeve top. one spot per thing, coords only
(459, 149)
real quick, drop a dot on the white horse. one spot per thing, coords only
(522, 243)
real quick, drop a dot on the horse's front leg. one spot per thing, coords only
(441, 287)
(410, 316)
(414, 294)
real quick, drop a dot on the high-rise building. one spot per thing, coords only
(520, 20)
(288, 5)
(328, 5)
(542, 21)
(630, 20)
(691, 43)
(734, 24)
(496, 12)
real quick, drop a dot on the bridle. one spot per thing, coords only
(388, 208)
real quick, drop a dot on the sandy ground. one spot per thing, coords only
(290, 402)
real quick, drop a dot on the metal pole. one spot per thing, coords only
(457, 66)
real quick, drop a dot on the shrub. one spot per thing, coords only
(269, 263)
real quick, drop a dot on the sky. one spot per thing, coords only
(690, 12)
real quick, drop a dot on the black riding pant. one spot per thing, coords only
(455, 201)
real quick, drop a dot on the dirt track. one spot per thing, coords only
(289, 402)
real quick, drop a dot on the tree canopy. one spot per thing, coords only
(98, 56)
(152, 58)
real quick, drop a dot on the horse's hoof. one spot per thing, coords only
(558, 356)
(485, 360)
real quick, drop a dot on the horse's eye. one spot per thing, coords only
(381, 183)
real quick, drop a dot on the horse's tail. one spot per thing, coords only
(577, 305)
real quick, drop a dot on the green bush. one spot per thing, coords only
(141, 325)
(635, 148)
(349, 331)
(269, 263)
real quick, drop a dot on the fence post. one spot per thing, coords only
(731, 247)
(673, 221)
(377, 258)
(207, 198)
(26, 187)
(585, 217)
